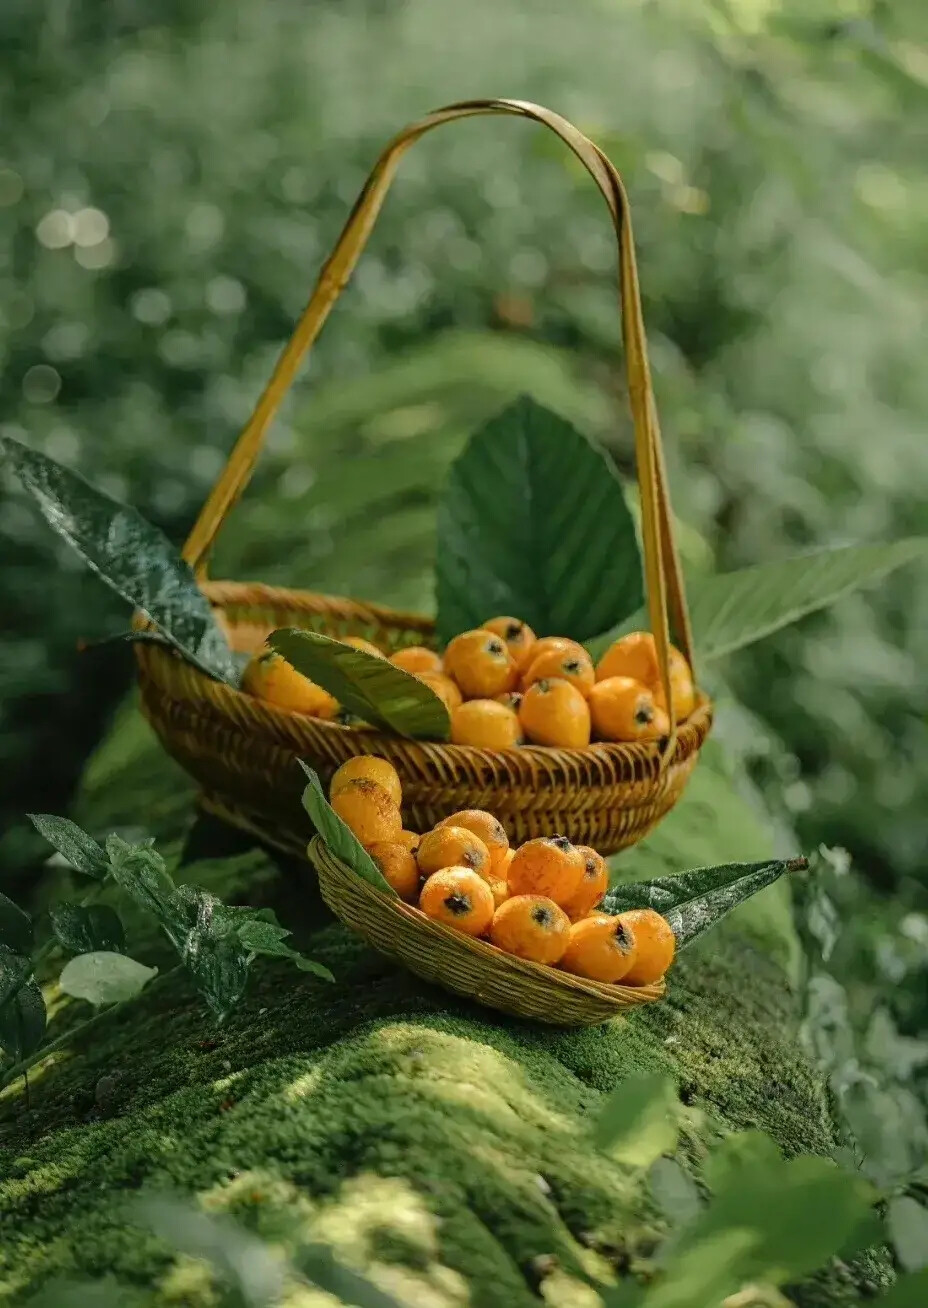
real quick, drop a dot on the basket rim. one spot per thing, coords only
(612, 993)
(259, 595)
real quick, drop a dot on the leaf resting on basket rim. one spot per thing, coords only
(340, 839)
(372, 688)
(694, 901)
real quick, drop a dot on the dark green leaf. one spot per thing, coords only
(375, 690)
(15, 927)
(908, 1292)
(102, 977)
(85, 1294)
(692, 902)
(140, 871)
(740, 1152)
(80, 850)
(342, 842)
(640, 1119)
(15, 971)
(134, 558)
(908, 1229)
(702, 1276)
(22, 1021)
(84, 928)
(259, 937)
(319, 1265)
(204, 931)
(533, 522)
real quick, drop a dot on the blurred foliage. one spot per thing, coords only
(179, 170)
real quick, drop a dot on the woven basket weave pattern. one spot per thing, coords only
(468, 967)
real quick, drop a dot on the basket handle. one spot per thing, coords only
(663, 577)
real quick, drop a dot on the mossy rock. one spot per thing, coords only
(444, 1150)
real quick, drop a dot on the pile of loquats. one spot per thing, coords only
(538, 902)
(503, 686)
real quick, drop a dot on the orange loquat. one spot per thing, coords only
(553, 712)
(487, 828)
(681, 684)
(459, 898)
(416, 659)
(655, 945)
(367, 809)
(593, 886)
(601, 948)
(549, 866)
(480, 662)
(518, 636)
(485, 724)
(398, 866)
(452, 847)
(531, 926)
(268, 676)
(373, 768)
(623, 709)
(574, 667)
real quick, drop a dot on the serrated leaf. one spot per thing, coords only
(694, 901)
(74, 845)
(103, 977)
(15, 927)
(734, 609)
(372, 688)
(908, 1229)
(533, 522)
(22, 1021)
(340, 839)
(640, 1119)
(82, 929)
(261, 937)
(129, 554)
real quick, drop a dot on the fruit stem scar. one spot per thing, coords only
(457, 903)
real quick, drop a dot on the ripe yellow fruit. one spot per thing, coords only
(511, 699)
(452, 847)
(416, 659)
(485, 724)
(549, 866)
(481, 664)
(531, 926)
(269, 677)
(681, 684)
(486, 828)
(446, 690)
(367, 809)
(459, 898)
(518, 636)
(410, 840)
(623, 709)
(594, 885)
(499, 889)
(365, 646)
(554, 712)
(399, 868)
(562, 644)
(600, 948)
(655, 945)
(573, 667)
(634, 655)
(374, 769)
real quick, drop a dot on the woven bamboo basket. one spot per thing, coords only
(466, 966)
(243, 752)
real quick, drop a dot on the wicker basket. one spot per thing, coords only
(468, 967)
(242, 752)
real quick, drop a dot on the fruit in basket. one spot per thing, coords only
(460, 898)
(655, 945)
(681, 683)
(485, 724)
(488, 829)
(510, 699)
(553, 712)
(600, 948)
(367, 809)
(500, 890)
(635, 655)
(410, 840)
(452, 847)
(446, 689)
(593, 886)
(562, 644)
(398, 866)
(373, 768)
(573, 666)
(519, 638)
(531, 926)
(365, 646)
(624, 709)
(549, 866)
(481, 664)
(417, 659)
(268, 676)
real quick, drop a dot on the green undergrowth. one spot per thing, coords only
(441, 1148)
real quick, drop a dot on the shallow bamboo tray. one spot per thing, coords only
(468, 967)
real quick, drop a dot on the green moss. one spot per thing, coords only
(441, 1148)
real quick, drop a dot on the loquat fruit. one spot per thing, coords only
(633, 655)
(486, 828)
(410, 840)
(416, 659)
(600, 948)
(553, 712)
(367, 809)
(398, 866)
(574, 667)
(549, 866)
(531, 926)
(681, 684)
(562, 644)
(459, 898)
(446, 690)
(365, 646)
(485, 724)
(268, 676)
(500, 890)
(452, 847)
(510, 699)
(481, 664)
(623, 709)
(373, 768)
(655, 945)
(593, 886)
(518, 636)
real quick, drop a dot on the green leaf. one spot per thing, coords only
(640, 1119)
(22, 1021)
(739, 1153)
(108, 1293)
(103, 977)
(79, 849)
(908, 1229)
(82, 929)
(340, 839)
(262, 937)
(375, 690)
(908, 1292)
(15, 971)
(131, 556)
(533, 522)
(674, 1192)
(734, 609)
(692, 902)
(140, 871)
(15, 927)
(701, 1277)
